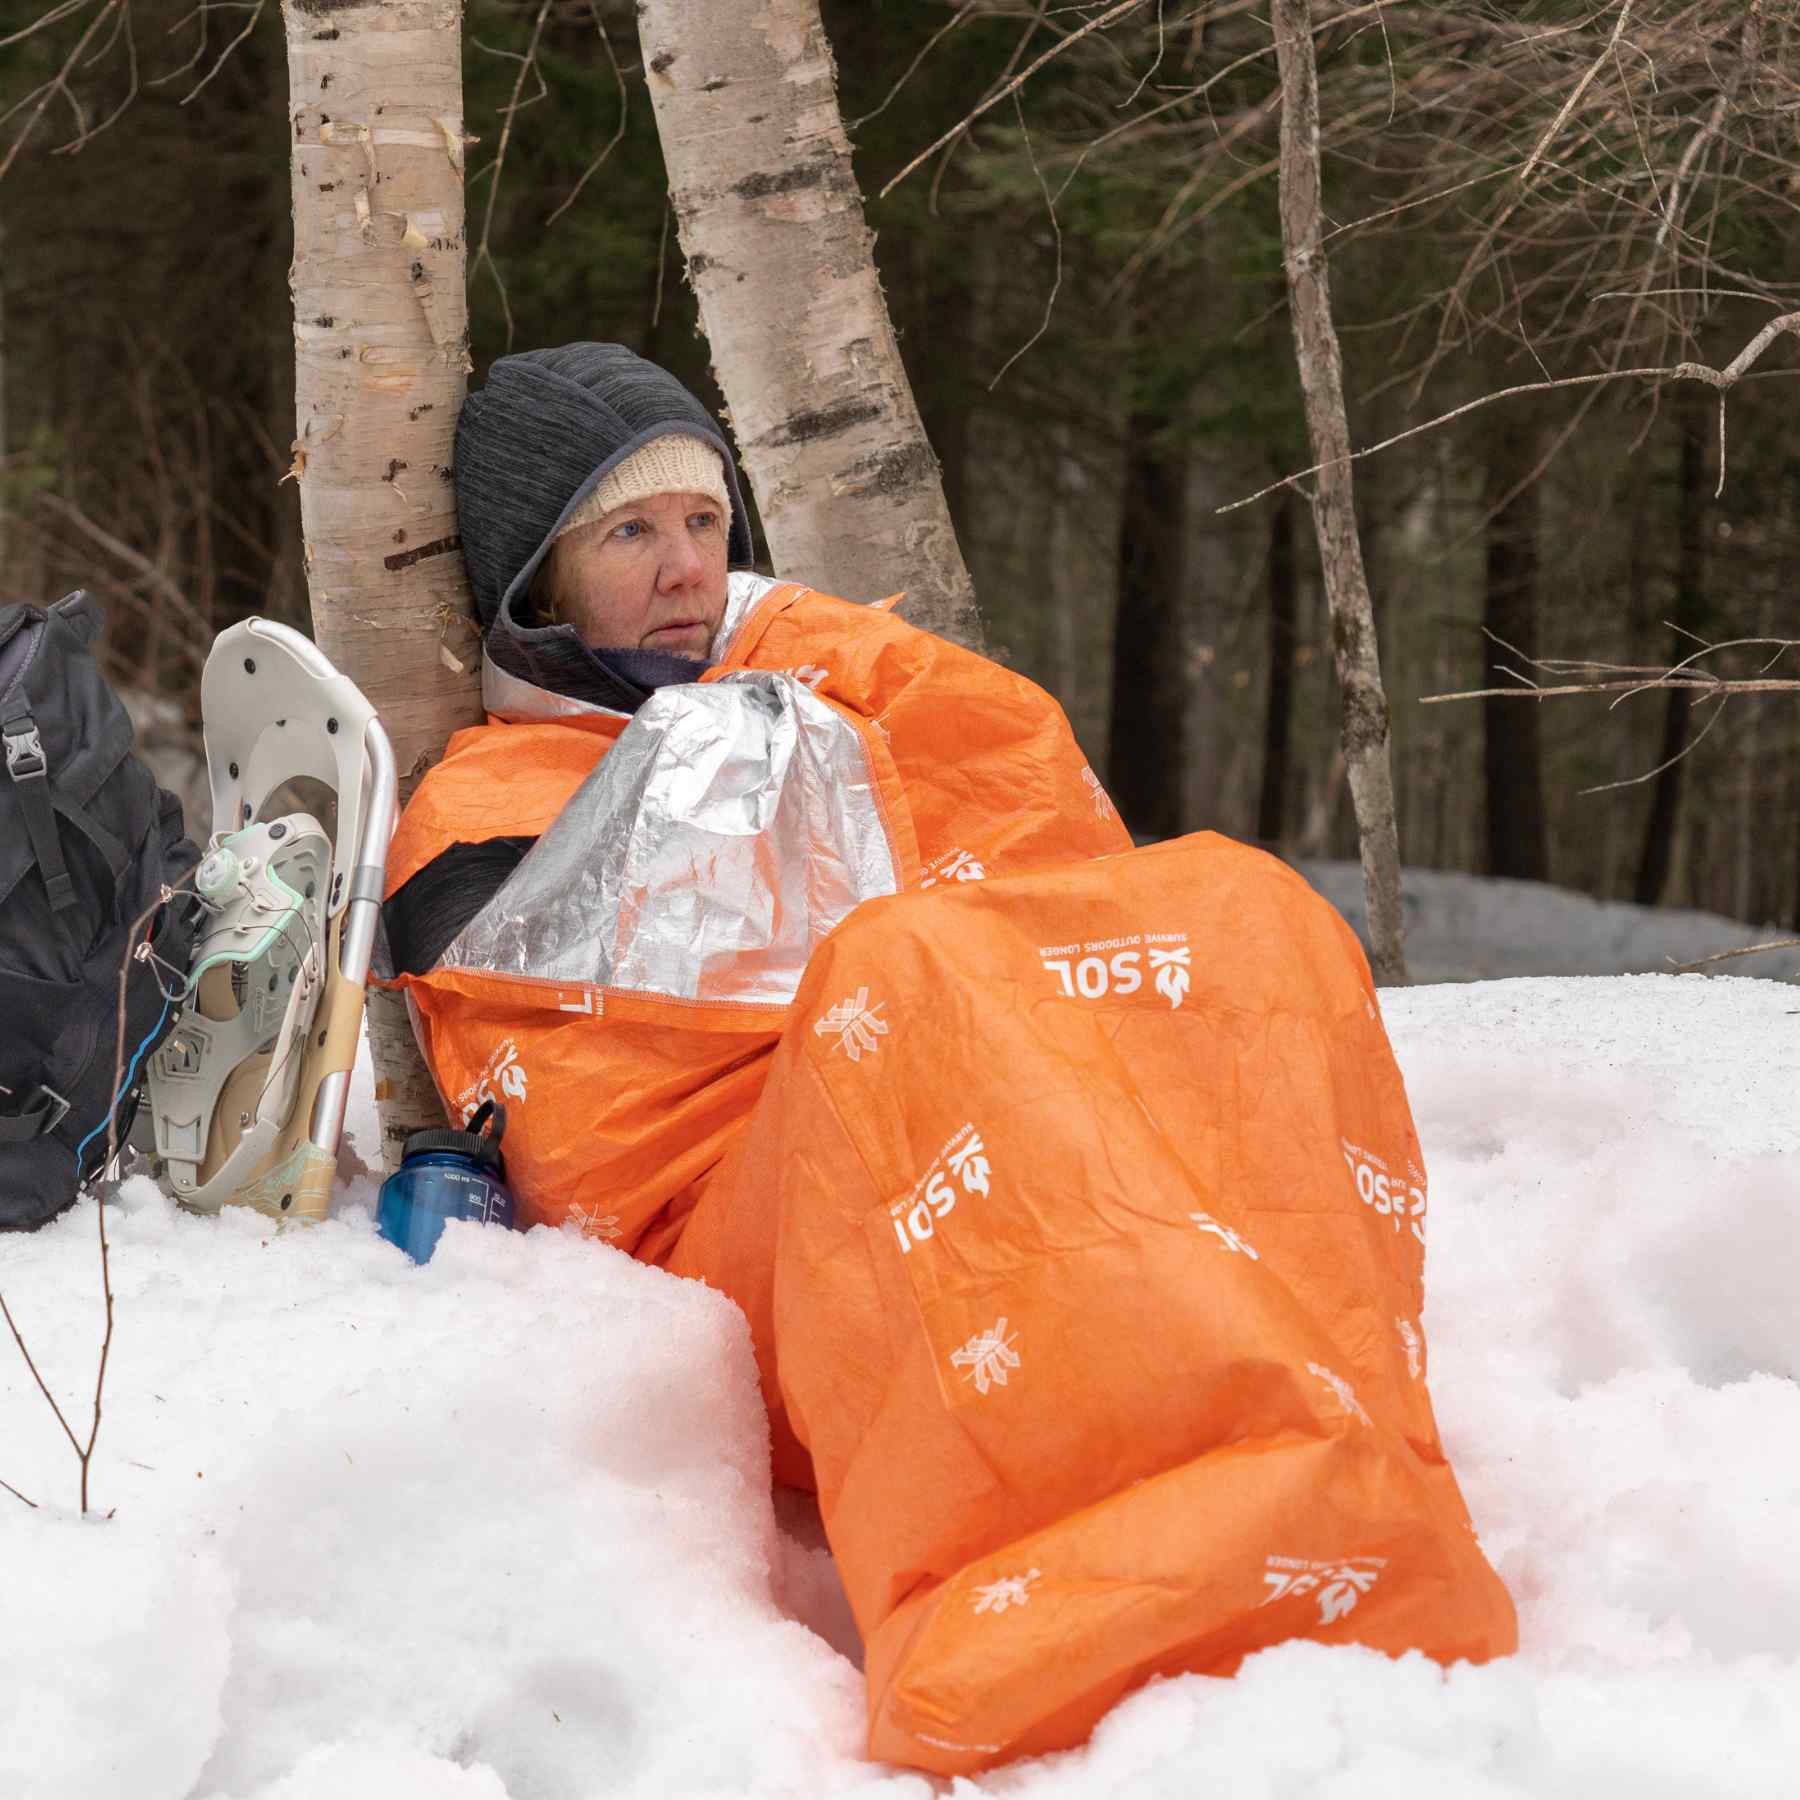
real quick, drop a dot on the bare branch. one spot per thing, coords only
(662, 263)
(1574, 99)
(225, 54)
(1056, 227)
(1017, 82)
(54, 16)
(57, 84)
(1688, 968)
(1700, 683)
(156, 579)
(618, 132)
(931, 43)
(483, 254)
(1668, 762)
(1721, 380)
(17, 1495)
(131, 62)
(1156, 63)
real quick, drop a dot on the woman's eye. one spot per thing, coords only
(629, 531)
(703, 521)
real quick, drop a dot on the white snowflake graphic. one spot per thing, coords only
(1342, 1391)
(859, 1026)
(1228, 1239)
(1009, 1590)
(1171, 970)
(1409, 1336)
(591, 1222)
(987, 1357)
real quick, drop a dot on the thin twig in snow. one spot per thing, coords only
(42, 1386)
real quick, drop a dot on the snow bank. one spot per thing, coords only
(1477, 927)
(499, 1528)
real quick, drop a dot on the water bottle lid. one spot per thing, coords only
(481, 1146)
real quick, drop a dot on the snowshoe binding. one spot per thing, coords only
(245, 1097)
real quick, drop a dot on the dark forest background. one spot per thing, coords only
(1089, 295)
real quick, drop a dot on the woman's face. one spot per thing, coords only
(647, 576)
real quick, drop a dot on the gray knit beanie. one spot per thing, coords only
(531, 445)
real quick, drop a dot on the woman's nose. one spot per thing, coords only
(683, 563)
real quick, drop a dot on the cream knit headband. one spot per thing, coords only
(665, 465)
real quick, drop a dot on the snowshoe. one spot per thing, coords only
(245, 1097)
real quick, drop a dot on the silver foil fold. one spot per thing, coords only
(729, 830)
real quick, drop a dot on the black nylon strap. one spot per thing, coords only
(42, 1113)
(118, 858)
(30, 777)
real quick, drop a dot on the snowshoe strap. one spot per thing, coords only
(29, 772)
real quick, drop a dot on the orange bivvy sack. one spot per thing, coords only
(1081, 1232)
(1070, 1191)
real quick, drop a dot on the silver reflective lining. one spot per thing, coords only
(732, 827)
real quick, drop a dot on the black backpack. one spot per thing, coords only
(87, 839)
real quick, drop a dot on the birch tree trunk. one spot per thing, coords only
(771, 220)
(381, 365)
(1365, 715)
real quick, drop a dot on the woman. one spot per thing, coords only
(1033, 1188)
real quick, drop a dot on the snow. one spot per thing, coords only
(499, 1528)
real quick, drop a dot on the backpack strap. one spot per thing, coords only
(30, 774)
(39, 1116)
(118, 858)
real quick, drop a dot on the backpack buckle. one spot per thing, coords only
(25, 754)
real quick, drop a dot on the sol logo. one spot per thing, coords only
(502, 1080)
(1336, 1585)
(1116, 966)
(1390, 1195)
(961, 1167)
(955, 865)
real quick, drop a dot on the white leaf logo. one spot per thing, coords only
(970, 1165)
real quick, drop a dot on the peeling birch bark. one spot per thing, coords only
(778, 252)
(381, 366)
(1365, 714)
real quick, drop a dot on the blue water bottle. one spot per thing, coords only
(446, 1175)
